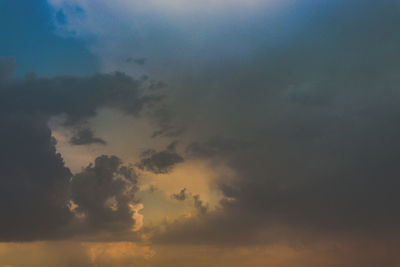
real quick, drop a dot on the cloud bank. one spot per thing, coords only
(301, 106)
(36, 186)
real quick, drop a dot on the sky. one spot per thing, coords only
(199, 133)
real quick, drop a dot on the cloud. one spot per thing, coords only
(74, 253)
(35, 185)
(124, 254)
(320, 111)
(214, 146)
(77, 98)
(181, 196)
(318, 101)
(198, 204)
(86, 137)
(175, 35)
(160, 162)
(317, 98)
(302, 106)
(33, 180)
(112, 188)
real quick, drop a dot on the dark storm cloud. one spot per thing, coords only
(213, 146)
(35, 185)
(85, 136)
(164, 118)
(33, 180)
(76, 97)
(321, 108)
(104, 192)
(160, 162)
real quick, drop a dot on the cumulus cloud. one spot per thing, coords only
(160, 162)
(33, 181)
(181, 196)
(199, 205)
(36, 186)
(85, 136)
(112, 188)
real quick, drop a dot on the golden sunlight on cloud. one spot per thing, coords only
(69, 253)
(125, 136)
(124, 254)
(196, 176)
(99, 251)
(137, 216)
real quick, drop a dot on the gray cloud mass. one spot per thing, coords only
(318, 114)
(315, 109)
(85, 136)
(160, 162)
(104, 192)
(35, 184)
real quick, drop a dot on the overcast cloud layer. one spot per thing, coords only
(293, 105)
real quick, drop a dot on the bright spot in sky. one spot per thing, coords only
(185, 5)
(166, 6)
